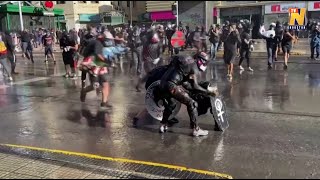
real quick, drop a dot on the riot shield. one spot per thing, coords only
(156, 111)
(219, 113)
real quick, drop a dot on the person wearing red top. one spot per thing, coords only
(48, 41)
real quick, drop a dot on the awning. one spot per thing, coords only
(89, 18)
(113, 20)
(162, 15)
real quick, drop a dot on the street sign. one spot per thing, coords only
(178, 39)
(47, 13)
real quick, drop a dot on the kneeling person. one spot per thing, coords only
(183, 69)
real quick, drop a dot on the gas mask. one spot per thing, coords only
(202, 65)
(202, 60)
(155, 38)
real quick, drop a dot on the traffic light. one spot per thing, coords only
(174, 9)
(48, 5)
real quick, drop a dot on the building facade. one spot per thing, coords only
(160, 11)
(79, 14)
(137, 10)
(34, 16)
(262, 12)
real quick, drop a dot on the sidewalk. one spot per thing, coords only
(24, 162)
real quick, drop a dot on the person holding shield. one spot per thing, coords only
(180, 77)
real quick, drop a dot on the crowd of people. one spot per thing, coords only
(95, 50)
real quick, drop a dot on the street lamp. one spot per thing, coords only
(20, 14)
(175, 10)
(130, 13)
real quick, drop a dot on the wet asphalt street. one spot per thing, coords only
(274, 120)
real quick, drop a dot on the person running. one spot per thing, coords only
(47, 41)
(4, 56)
(286, 45)
(279, 36)
(99, 74)
(91, 35)
(10, 51)
(246, 43)
(26, 45)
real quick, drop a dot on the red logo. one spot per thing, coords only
(48, 5)
(316, 5)
(275, 8)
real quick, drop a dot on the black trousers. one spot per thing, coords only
(245, 53)
(170, 91)
(12, 59)
(136, 61)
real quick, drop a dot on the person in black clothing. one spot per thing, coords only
(26, 45)
(188, 37)
(279, 35)
(69, 46)
(203, 39)
(83, 44)
(230, 48)
(197, 39)
(286, 45)
(214, 38)
(161, 33)
(94, 50)
(224, 33)
(135, 45)
(169, 33)
(182, 70)
(245, 45)
(10, 52)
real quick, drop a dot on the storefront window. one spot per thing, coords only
(270, 18)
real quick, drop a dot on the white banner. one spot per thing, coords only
(314, 6)
(282, 8)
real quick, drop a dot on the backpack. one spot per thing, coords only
(3, 47)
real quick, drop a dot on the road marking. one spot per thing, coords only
(93, 156)
(29, 80)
